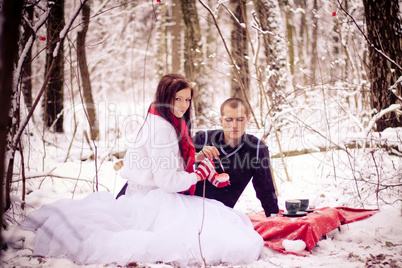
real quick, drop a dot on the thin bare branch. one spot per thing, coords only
(367, 40)
(61, 177)
(319, 133)
(239, 80)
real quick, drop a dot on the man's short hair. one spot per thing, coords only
(234, 103)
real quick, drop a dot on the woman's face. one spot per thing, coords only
(181, 102)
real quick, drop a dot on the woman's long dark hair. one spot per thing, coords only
(165, 94)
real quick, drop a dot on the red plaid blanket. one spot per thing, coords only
(309, 228)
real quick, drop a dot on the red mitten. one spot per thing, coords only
(206, 169)
(220, 180)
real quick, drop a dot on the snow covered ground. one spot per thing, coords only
(332, 178)
(378, 237)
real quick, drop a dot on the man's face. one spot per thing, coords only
(234, 122)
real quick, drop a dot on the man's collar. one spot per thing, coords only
(225, 148)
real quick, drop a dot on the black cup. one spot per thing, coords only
(303, 204)
(292, 206)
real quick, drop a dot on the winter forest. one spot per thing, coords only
(323, 78)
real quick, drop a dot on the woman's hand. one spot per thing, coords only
(210, 152)
(206, 170)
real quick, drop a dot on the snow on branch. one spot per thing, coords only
(393, 88)
(66, 28)
(28, 46)
(261, 31)
(257, 25)
(397, 108)
(233, 15)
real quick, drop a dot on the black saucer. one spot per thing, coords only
(297, 214)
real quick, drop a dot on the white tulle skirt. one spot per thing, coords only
(149, 226)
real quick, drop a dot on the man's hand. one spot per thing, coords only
(207, 152)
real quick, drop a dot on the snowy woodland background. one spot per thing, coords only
(321, 77)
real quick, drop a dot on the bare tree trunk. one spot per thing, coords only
(176, 30)
(193, 49)
(14, 122)
(211, 37)
(268, 13)
(10, 18)
(365, 73)
(85, 77)
(384, 33)
(289, 34)
(162, 52)
(314, 52)
(239, 49)
(343, 38)
(193, 55)
(53, 102)
(303, 40)
(26, 82)
(266, 21)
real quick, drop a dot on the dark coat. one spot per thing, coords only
(248, 160)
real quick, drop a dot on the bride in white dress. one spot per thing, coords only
(153, 222)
